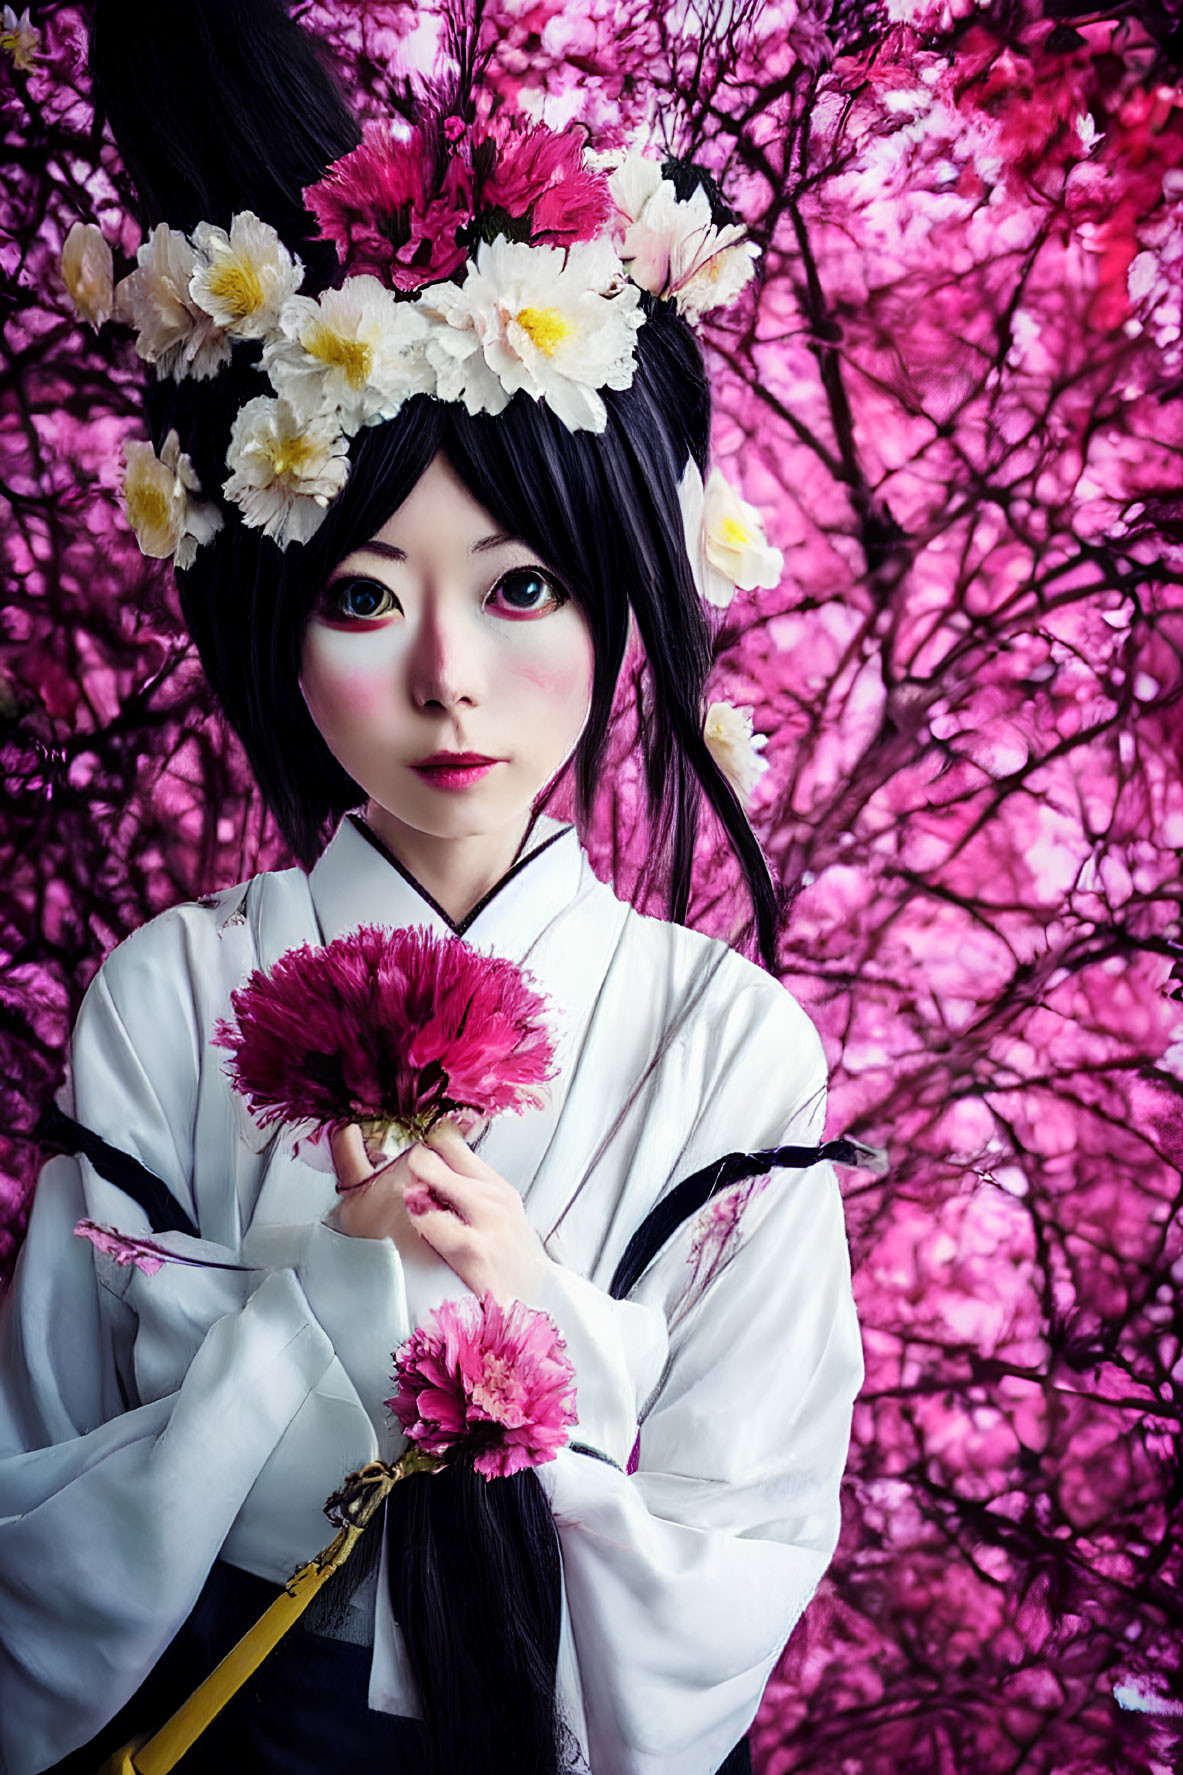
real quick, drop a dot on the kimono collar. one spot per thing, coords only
(357, 881)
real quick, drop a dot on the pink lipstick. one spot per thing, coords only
(454, 770)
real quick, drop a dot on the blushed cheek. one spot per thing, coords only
(563, 680)
(337, 693)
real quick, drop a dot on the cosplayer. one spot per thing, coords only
(430, 432)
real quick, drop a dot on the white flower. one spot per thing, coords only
(20, 37)
(734, 540)
(174, 333)
(454, 351)
(735, 748)
(357, 351)
(88, 272)
(724, 538)
(164, 507)
(632, 183)
(672, 248)
(719, 274)
(560, 325)
(285, 469)
(242, 279)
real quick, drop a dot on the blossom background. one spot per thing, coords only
(956, 394)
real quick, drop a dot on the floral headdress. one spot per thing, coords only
(481, 259)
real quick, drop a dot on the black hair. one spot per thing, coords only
(475, 1581)
(253, 115)
(601, 509)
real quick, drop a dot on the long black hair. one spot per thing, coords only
(223, 105)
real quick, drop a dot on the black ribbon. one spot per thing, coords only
(693, 1193)
(165, 1214)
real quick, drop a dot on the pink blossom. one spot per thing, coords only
(409, 206)
(536, 175)
(718, 1229)
(395, 206)
(485, 1382)
(396, 1028)
(143, 1254)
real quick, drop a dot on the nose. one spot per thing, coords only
(445, 666)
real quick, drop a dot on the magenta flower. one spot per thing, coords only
(144, 1254)
(485, 1381)
(391, 1029)
(536, 177)
(410, 208)
(395, 206)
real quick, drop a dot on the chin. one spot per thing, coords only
(438, 816)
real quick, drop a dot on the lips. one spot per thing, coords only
(454, 770)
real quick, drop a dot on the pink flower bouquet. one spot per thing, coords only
(393, 1030)
(488, 1382)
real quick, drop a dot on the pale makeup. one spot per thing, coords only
(450, 672)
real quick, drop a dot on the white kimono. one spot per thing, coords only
(150, 1424)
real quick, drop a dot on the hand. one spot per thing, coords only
(442, 1192)
(371, 1204)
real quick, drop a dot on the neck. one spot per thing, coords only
(456, 872)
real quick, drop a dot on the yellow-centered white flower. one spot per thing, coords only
(88, 272)
(173, 333)
(356, 351)
(672, 247)
(20, 38)
(734, 540)
(285, 468)
(162, 498)
(725, 538)
(242, 279)
(735, 748)
(560, 325)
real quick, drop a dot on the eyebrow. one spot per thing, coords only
(388, 552)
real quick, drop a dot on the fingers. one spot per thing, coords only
(451, 1239)
(374, 1208)
(350, 1159)
(431, 1181)
(445, 1138)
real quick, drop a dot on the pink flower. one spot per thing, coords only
(486, 1382)
(411, 207)
(145, 1254)
(717, 1228)
(533, 174)
(395, 206)
(395, 1028)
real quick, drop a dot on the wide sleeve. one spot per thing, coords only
(684, 1579)
(136, 1412)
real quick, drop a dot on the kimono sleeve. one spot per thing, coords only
(684, 1579)
(112, 1510)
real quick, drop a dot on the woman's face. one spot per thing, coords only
(446, 667)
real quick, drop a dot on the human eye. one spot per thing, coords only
(354, 600)
(525, 592)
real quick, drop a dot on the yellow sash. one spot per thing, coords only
(352, 1507)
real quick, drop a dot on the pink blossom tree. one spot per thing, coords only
(955, 393)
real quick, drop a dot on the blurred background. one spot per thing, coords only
(956, 394)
